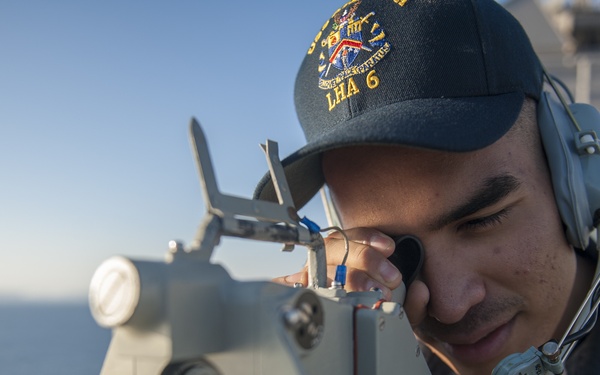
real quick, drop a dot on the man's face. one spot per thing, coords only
(497, 267)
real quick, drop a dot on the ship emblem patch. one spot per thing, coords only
(355, 44)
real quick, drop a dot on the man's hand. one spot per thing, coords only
(367, 268)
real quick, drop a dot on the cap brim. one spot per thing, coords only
(446, 124)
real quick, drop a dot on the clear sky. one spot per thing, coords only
(95, 101)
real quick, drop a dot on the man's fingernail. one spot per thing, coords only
(388, 271)
(381, 242)
(373, 286)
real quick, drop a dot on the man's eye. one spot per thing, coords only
(487, 221)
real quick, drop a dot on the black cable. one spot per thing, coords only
(587, 328)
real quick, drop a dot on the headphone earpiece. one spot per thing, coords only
(569, 134)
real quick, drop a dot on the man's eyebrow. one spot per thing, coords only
(491, 192)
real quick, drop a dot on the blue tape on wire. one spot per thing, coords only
(340, 274)
(311, 225)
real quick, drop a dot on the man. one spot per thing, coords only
(421, 119)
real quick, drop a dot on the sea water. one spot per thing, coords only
(50, 339)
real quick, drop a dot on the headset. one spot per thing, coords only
(569, 135)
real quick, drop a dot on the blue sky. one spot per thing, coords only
(95, 101)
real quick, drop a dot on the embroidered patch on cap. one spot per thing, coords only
(355, 44)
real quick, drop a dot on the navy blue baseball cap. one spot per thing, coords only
(448, 75)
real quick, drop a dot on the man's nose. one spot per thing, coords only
(454, 284)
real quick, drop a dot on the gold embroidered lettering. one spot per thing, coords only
(331, 103)
(372, 80)
(311, 49)
(340, 93)
(352, 88)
